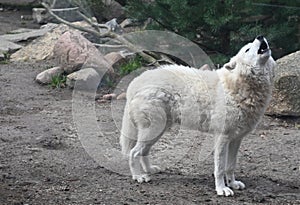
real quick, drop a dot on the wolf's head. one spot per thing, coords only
(253, 58)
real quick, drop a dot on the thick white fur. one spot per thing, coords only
(228, 102)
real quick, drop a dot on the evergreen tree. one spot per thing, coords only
(221, 27)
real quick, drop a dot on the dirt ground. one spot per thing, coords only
(43, 161)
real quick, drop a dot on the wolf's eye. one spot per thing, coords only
(247, 50)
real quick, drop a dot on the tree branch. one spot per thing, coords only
(94, 24)
(98, 34)
(108, 33)
(109, 46)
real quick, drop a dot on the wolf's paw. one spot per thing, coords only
(141, 178)
(224, 191)
(237, 185)
(154, 169)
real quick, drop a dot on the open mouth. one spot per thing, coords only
(263, 48)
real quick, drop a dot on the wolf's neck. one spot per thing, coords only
(247, 88)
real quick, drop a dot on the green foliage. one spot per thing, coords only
(132, 65)
(5, 60)
(221, 27)
(58, 81)
(109, 82)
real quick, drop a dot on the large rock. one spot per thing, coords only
(286, 96)
(73, 50)
(40, 48)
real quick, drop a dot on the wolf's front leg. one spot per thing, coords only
(220, 159)
(231, 164)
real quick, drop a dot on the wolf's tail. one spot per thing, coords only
(128, 136)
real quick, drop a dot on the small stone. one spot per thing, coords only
(85, 79)
(34, 149)
(115, 59)
(40, 15)
(122, 96)
(46, 76)
(109, 96)
(102, 101)
(262, 135)
(114, 26)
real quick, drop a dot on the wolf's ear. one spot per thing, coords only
(230, 65)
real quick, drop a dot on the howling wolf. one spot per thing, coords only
(239, 93)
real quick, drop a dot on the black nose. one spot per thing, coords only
(260, 38)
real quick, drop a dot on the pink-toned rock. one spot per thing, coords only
(122, 96)
(72, 50)
(109, 96)
(102, 101)
(46, 76)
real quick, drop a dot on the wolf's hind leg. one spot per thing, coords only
(151, 121)
(134, 162)
(148, 167)
(147, 136)
(139, 156)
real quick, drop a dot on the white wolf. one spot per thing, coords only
(239, 93)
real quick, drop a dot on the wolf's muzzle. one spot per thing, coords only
(263, 45)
